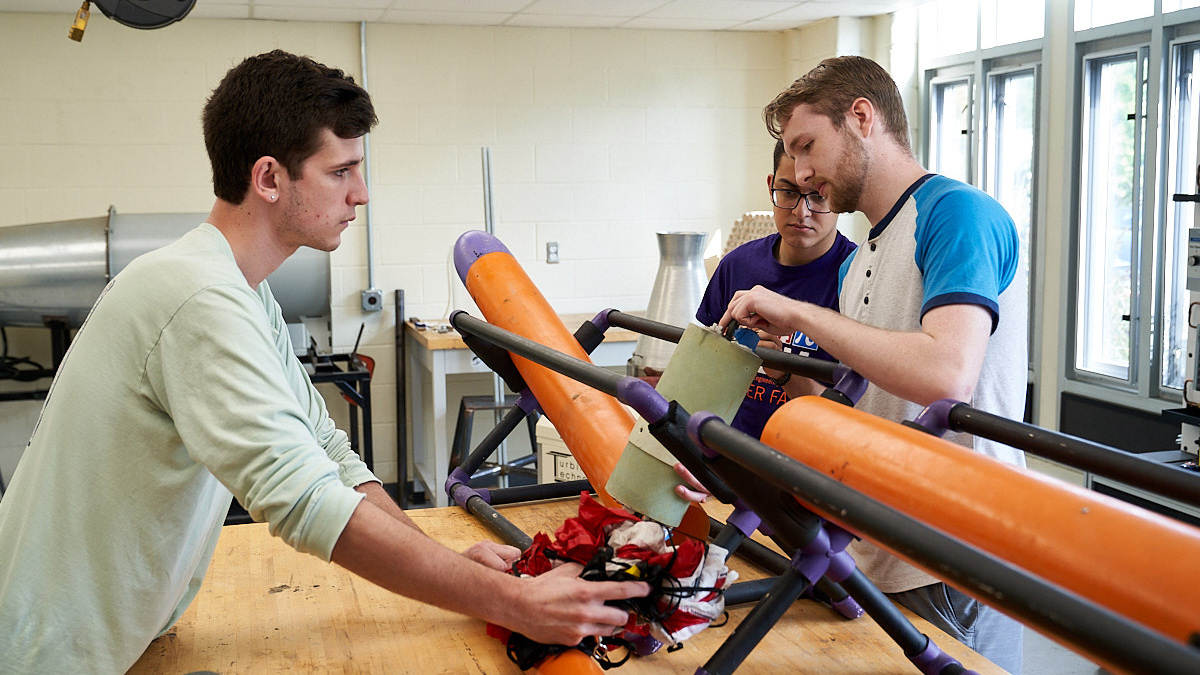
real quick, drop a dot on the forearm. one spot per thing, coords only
(555, 608)
(376, 495)
(941, 360)
(802, 386)
(393, 553)
(918, 366)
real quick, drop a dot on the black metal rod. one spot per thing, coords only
(1096, 630)
(1169, 481)
(773, 358)
(645, 326)
(511, 420)
(885, 613)
(783, 592)
(527, 493)
(490, 517)
(754, 552)
(401, 404)
(594, 376)
(744, 592)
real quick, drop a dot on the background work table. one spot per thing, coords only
(265, 608)
(429, 359)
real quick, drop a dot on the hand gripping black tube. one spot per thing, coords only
(817, 369)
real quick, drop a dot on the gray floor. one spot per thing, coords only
(1046, 657)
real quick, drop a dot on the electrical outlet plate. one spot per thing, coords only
(372, 300)
(552, 251)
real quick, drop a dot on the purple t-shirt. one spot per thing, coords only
(754, 264)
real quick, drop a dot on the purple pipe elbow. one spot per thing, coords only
(643, 645)
(813, 560)
(936, 416)
(528, 401)
(850, 383)
(600, 321)
(841, 566)
(471, 246)
(458, 489)
(638, 393)
(932, 660)
(745, 520)
(848, 608)
(693, 430)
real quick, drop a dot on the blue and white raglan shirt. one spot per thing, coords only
(754, 264)
(943, 243)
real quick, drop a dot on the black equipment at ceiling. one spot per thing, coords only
(145, 14)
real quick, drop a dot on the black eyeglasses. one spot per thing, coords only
(790, 199)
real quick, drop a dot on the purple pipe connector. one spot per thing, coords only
(936, 416)
(457, 488)
(849, 383)
(745, 520)
(471, 246)
(528, 401)
(932, 660)
(813, 560)
(600, 321)
(644, 398)
(643, 645)
(847, 607)
(696, 421)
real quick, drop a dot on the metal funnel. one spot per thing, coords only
(678, 288)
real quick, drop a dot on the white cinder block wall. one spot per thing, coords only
(598, 139)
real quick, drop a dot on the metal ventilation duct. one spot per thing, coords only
(55, 271)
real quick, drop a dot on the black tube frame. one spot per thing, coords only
(1128, 467)
(1099, 631)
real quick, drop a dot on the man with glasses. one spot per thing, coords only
(933, 304)
(800, 261)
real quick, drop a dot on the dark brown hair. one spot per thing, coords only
(277, 104)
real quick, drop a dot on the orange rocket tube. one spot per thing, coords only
(1134, 562)
(593, 425)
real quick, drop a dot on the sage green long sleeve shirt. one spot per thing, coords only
(180, 390)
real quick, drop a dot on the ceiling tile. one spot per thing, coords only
(446, 18)
(730, 10)
(564, 21)
(660, 23)
(453, 6)
(611, 8)
(326, 14)
(321, 4)
(219, 10)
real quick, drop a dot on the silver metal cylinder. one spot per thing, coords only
(52, 271)
(678, 288)
(55, 271)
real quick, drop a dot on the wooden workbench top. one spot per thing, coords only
(433, 340)
(265, 608)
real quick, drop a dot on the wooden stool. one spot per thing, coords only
(501, 467)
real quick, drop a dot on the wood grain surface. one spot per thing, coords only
(265, 608)
(433, 340)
